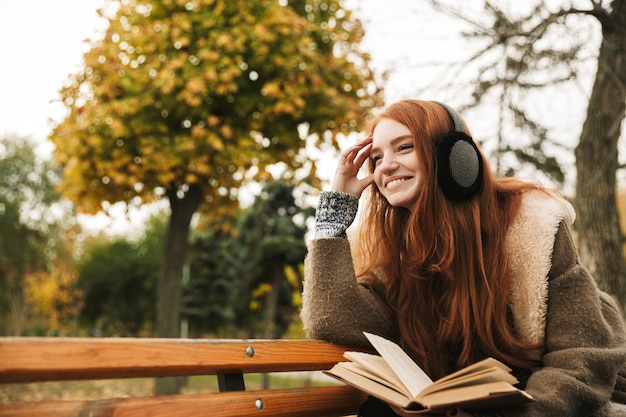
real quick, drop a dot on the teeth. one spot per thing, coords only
(394, 182)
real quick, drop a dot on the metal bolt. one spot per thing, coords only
(250, 351)
(258, 404)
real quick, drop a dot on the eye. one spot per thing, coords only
(406, 147)
(375, 160)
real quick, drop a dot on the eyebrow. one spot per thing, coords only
(394, 141)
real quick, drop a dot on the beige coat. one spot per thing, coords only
(554, 299)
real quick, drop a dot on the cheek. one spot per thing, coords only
(378, 180)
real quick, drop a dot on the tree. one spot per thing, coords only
(243, 271)
(51, 294)
(30, 232)
(188, 100)
(214, 294)
(119, 279)
(274, 241)
(597, 156)
(534, 50)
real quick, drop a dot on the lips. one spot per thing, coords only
(393, 182)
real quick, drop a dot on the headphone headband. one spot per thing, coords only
(459, 126)
(459, 164)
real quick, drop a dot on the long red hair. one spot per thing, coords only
(444, 264)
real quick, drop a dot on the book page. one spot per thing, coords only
(411, 375)
(483, 376)
(347, 375)
(495, 394)
(476, 367)
(393, 383)
(375, 367)
(468, 393)
(375, 363)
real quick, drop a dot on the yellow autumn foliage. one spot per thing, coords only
(53, 298)
(211, 72)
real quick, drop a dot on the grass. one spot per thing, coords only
(137, 387)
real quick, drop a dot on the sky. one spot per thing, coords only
(42, 42)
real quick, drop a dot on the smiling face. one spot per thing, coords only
(397, 171)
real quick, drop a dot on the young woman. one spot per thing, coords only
(456, 264)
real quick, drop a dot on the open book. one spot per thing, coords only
(394, 378)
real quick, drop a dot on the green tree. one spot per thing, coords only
(239, 269)
(212, 293)
(274, 241)
(118, 280)
(534, 49)
(189, 99)
(30, 233)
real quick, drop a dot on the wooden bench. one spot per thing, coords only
(59, 359)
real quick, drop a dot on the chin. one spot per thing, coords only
(401, 203)
(407, 202)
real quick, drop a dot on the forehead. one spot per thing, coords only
(387, 130)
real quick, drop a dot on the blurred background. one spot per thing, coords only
(160, 161)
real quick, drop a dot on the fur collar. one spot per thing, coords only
(530, 241)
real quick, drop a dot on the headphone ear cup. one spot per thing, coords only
(459, 166)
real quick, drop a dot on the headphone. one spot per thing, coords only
(459, 164)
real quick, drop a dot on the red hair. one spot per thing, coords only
(444, 264)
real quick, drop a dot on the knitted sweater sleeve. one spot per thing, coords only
(335, 213)
(336, 305)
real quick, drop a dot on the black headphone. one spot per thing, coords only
(459, 164)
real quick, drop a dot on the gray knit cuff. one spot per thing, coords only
(335, 213)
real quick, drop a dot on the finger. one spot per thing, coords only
(349, 154)
(364, 183)
(363, 155)
(366, 140)
(367, 181)
(357, 147)
(355, 157)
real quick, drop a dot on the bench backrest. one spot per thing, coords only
(58, 359)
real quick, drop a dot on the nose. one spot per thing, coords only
(387, 164)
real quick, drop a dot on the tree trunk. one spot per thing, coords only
(174, 256)
(271, 305)
(271, 309)
(600, 238)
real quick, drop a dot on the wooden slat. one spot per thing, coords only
(55, 359)
(303, 402)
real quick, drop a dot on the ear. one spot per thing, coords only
(459, 166)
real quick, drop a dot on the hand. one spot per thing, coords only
(350, 162)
